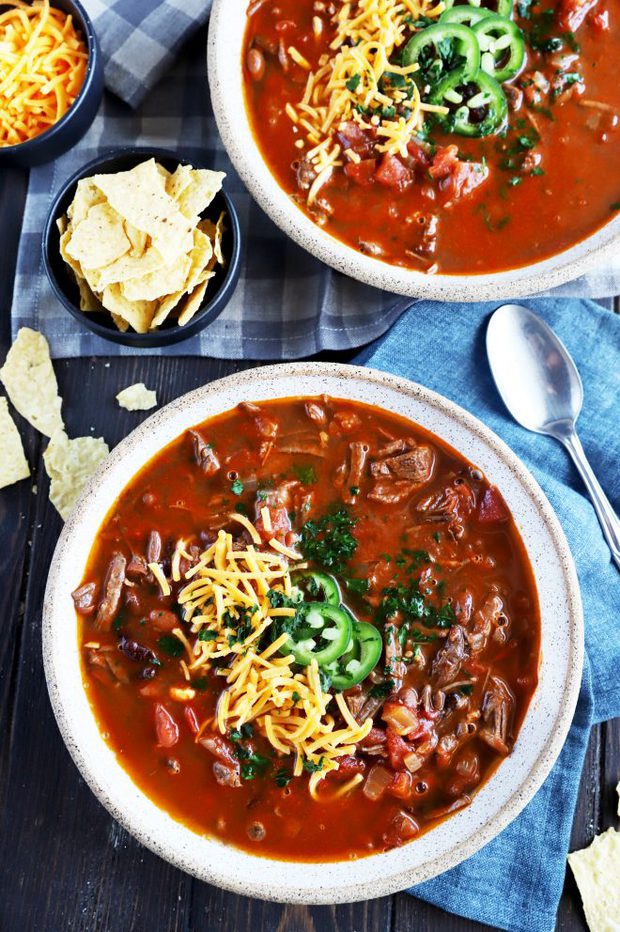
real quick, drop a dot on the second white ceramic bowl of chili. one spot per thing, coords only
(498, 801)
(227, 65)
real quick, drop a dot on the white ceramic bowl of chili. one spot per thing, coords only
(500, 799)
(227, 28)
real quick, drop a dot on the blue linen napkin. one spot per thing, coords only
(287, 304)
(515, 881)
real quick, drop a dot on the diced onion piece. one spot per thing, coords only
(401, 719)
(377, 782)
(413, 762)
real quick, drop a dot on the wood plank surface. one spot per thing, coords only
(66, 865)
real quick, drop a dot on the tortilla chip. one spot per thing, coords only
(127, 267)
(198, 194)
(62, 224)
(99, 239)
(137, 398)
(87, 195)
(137, 238)
(70, 464)
(597, 872)
(138, 314)
(30, 383)
(164, 281)
(178, 181)
(73, 264)
(122, 325)
(88, 299)
(140, 197)
(192, 302)
(200, 255)
(13, 462)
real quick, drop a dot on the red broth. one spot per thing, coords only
(552, 176)
(426, 525)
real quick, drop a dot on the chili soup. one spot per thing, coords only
(309, 628)
(442, 137)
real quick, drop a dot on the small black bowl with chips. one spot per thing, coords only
(142, 247)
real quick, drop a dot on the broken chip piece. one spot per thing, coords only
(597, 872)
(137, 246)
(30, 382)
(70, 464)
(13, 462)
(137, 398)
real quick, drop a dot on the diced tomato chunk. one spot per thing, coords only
(401, 786)
(392, 173)
(280, 523)
(192, 719)
(351, 136)
(350, 765)
(492, 507)
(362, 172)
(402, 827)
(417, 153)
(166, 728)
(445, 161)
(397, 749)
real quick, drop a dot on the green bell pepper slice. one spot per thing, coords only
(360, 658)
(477, 105)
(502, 47)
(501, 7)
(465, 14)
(321, 632)
(314, 586)
(440, 49)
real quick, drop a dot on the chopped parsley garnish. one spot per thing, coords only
(313, 766)
(201, 683)
(296, 697)
(305, 474)
(237, 487)
(283, 777)
(239, 734)
(328, 541)
(279, 599)
(615, 205)
(354, 490)
(171, 645)
(356, 586)
(205, 635)
(241, 509)
(353, 82)
(515, 180)
(466, 690)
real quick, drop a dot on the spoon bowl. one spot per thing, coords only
(541, 387)
(534, 372)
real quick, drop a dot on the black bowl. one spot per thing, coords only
(69, 130)
(64, 286)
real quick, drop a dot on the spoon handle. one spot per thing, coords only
(607, 517)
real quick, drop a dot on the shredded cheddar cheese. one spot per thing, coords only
(42, 68)
(226, 608)
(347, 85)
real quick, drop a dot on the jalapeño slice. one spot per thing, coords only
(477, 105)
(442, 48)
(502, 47)
(466, 15)
(313, 586)
(501, 7)
(362, 656)
(322, 632)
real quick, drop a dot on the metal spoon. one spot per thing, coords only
(540, 385)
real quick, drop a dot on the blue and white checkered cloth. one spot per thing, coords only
(287, 303)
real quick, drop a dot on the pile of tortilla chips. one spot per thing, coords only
(137, 245)
(30, 383)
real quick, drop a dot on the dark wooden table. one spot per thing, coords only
(64, 863)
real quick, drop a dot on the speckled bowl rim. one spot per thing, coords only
(226, 29)
(514, 783)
